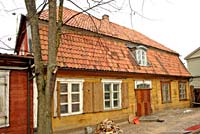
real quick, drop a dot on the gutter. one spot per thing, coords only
(29, 78)
(193, 77)
(13, 68)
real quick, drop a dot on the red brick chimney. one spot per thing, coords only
(105, 17)
(104, 26)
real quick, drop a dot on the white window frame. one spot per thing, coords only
(70, 82)
(141, 59)
(5, 118)
(35, 102)
(138, 82)
(110, 81)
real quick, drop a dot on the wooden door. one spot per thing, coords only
(143, 102)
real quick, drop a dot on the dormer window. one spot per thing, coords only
(141, 55)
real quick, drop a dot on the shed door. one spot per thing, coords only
(143, 102)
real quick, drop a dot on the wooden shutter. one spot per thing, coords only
(125, 96)
(88, 97)
(3, 85)
(98, 96)
(58, 99)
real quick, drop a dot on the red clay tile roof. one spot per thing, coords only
(106, 28)
(93, 53)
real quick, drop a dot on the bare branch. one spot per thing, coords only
(14, 3)
(2, 4)
(116, 7)
(142, 9)
(44, 4)
(133, 12)
(5, 44)
(88, 14)
(88, 3)
(12, 10)
(7, 49)
(168, 1)
(83, 11)
(7, 36)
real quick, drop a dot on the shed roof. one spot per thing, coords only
(15, 60)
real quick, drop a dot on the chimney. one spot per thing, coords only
(105, 17)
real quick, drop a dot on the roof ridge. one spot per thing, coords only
(119, 31)
(191, 53)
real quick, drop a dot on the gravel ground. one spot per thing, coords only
(175, 121)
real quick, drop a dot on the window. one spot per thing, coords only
(4, 98)
(143, 84)
(112, 94)
(70, 99)
(141, 55)
(166, 93)
(182, 91)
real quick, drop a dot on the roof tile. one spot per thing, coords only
(89, 52)
(111, 29)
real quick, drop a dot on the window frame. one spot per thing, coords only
(182, 82)
(112, 82)
(69, 82)
(166, 82)
(6, 74)
(147, 82)
(140, 50)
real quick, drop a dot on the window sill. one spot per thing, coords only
(72, 114)
(143, 89)
(5, 125)
(183, 99)
(166, 102)
(114, 109)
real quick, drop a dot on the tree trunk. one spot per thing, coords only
(39, 68)
(45, 87)
(52, 54)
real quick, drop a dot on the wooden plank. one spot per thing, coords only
(125, 96)
(196, 103)
(88, 97)
(58, 99)
(98, 97)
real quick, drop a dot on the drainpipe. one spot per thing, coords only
(29, 99)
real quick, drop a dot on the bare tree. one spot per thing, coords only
(45, 86)
(46, 79)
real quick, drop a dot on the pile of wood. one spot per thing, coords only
(108, 127)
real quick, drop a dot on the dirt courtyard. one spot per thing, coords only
(175, 121)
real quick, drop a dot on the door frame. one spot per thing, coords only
(146, 110)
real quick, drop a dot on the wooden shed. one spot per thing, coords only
(16, 106)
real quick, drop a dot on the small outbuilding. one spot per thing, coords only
(16, 94)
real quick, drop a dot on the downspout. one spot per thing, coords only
(29, 78)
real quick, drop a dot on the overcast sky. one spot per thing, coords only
(173, 23)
